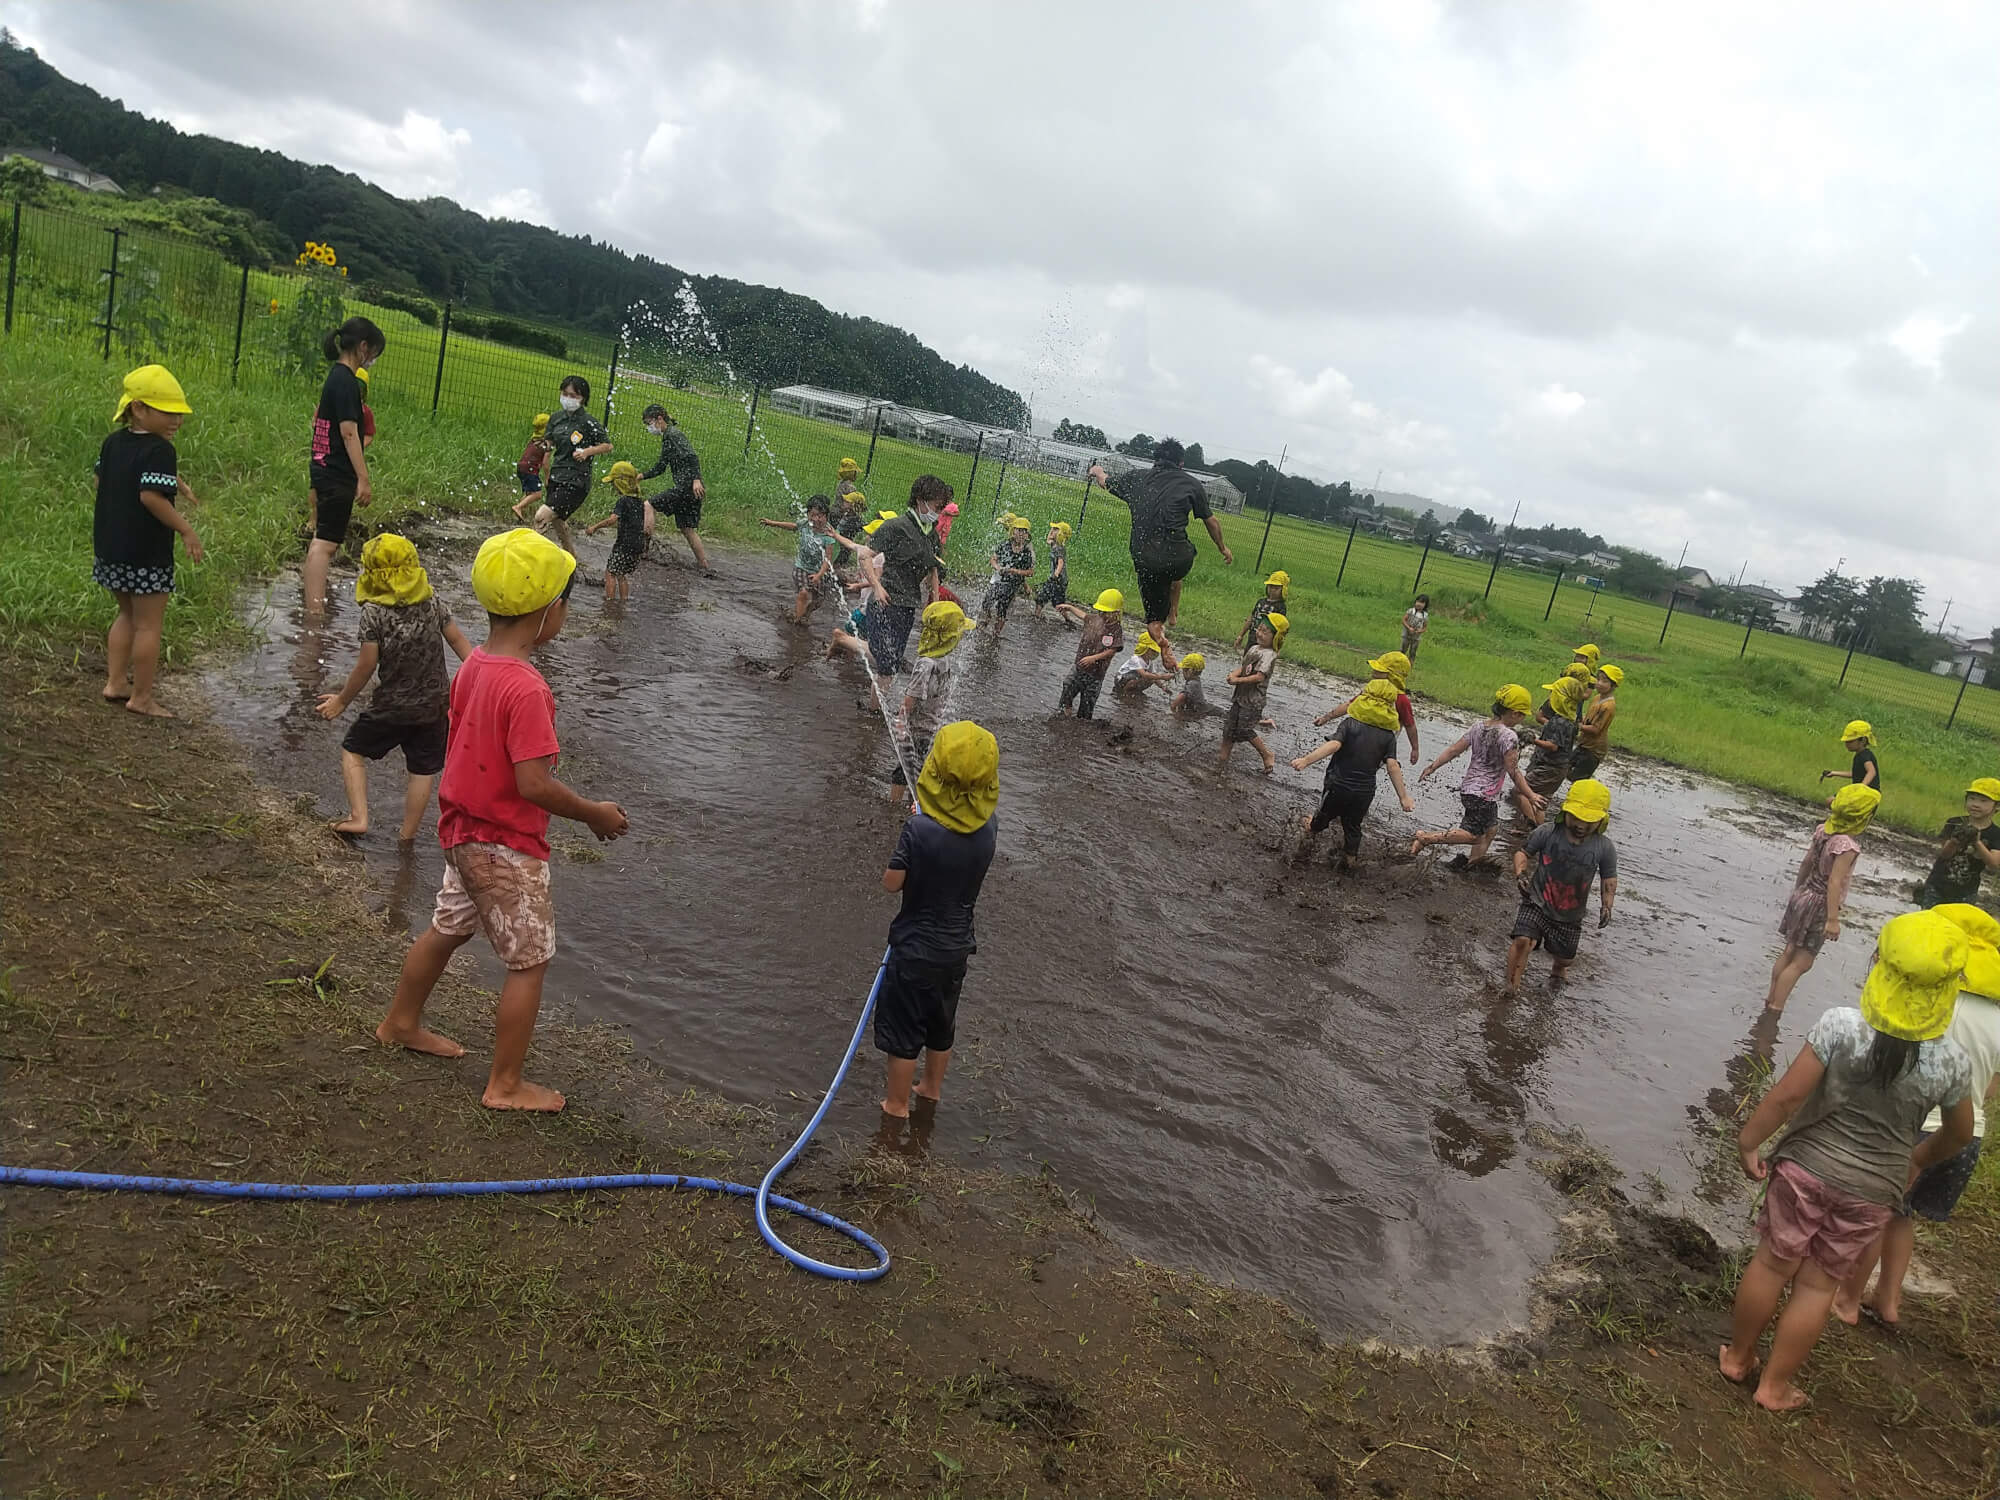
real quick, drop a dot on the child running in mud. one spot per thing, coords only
(1363, 745)
(812, 567)
(1554, 870)
(1975, 1031)
(133, 530)
(1551, 739)
(1858, 738)
(940, 862)
(1139, 671)
(1275, 598)
(1970, 847)
(494, 802)
(1819, 891)
(1252, 682)
(1392, 667)
(404, 630)
(683, 499)
(1102, 628)
(928, 690)
(628, 514)
(1593, 730)
(1191, 702)
(1855, 1098)
(1416, 620)
(1495, 761)
(1055, 588)
(533, 464)
(1013, 566)
(575, 438)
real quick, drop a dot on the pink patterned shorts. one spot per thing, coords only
(1805, 1218)
(505, 894)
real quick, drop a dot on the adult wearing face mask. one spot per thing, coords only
(575, 438)
(338, 474)
(683, 501)
(907, 576)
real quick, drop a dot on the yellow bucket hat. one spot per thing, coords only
(1851, 808)
(1982, 941)
(1514, 698)
(1060, 528)
(519, 572)
(1576, 671)
(959, 785)
(1375, 704)
(1615, 674)
(390, 572)
(1391, 664)
(1279, 624)
(1283, 580)
(849, 469)
(540, 425)
(856, 499)
(155, 385)
(944, 623)
(1859, 729)
(1588, 653)
(1146, 646)
(1986, 786)
(1109, 602)
(623, 477)
(1191, 662)
(1588, 800)
(1919, 964)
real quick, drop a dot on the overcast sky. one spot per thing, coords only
(1720, 273)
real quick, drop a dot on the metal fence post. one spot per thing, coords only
(1748, 625)
(1004, 457)
(1673, 598)
(13, 263)
(1420, 567)
(1354, 526)
(750, 427)
(1084, 509)
(611, 384)
(869, 467)
(1271, 502)
(111, 289)
(1552, 593)
(1970, 658)
(1500, 551)
(1853, 638)
(973, 478)
(444, 338)
(242, 303)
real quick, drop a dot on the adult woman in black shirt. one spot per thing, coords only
(1162, 499)
(338, 473)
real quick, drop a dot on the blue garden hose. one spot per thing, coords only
(322, 1191)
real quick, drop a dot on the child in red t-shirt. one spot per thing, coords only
(494, 802)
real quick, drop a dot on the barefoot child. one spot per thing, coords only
(1554, 870)
(494, 802)
(404, 628)
(940, 862)
(1975, 1029)
(1392, 667)
(927, 691)
(1855, 1098)
(812, 567)
(1971, 847)
(684, 499)
(534, 463)
(1139, 671)
(132, 533)
(575, 438)
(1191, 702)
(1593, 729)
(1495, 761)
(1552, 739)
(1102, 630)
(628, 514)
(1252, 682)
(1013, 566)
(1055, 588)
(1812, 915)
(1362, 745)
(1859, 740)
(1416, 620)
(1277, 594)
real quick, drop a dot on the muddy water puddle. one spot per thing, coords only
(1300, 1081)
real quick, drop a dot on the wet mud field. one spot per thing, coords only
(1303, 1082)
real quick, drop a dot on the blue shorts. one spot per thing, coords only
(531, 484)
(1938, 1188)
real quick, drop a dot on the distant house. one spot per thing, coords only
(1693, 581)
(1976, 654)
(1222, 495)
(825, 405)
(64, 169)
(1783, 612)
(1600, 562)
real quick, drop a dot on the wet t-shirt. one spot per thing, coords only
(1594, 733)
(1955, 877)
(339, 401)
(1863, 759)
(1058, 552)
(812, 549)
(1259, 659)
(1162, 499)
(502, 713)
(1855, 1135)
(1561, 868)
(631, 513)
(1560, 731)
(567, 433)
(1099, 633)
(1132, 666)
(677, 457)
(944, 871)
(909, 556)
(928, 690)
(410, 683)
(1363, 748)
(123, 530)
(1486, 760)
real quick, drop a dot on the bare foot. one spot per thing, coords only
(1849, 1312)
(148, 708)
(430, 1043)
(113, 695)
(1416, 846)
(1742, 1373)
(1787, 1397)
(894, 1113)
(349, 827)
(524, 1095)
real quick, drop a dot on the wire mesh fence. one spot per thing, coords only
(136, 297)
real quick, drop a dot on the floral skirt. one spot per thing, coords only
(133, 578)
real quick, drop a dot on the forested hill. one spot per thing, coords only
(441, 250)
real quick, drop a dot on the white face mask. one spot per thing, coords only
(927, 519)
(570, 403)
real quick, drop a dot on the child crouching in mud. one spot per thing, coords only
(494, 802)
(1191, 702)
(1363, 744)
(1554, 870)
(1856, 1098)
(940, 862)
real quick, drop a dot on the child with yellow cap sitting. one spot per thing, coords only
(1495, 760)
(1055, 588)
(1593, 730)
(533, 464)
(1277, 594)
(1102, 633)
(628, 514)
(1855, 1098)
(1363, 744)
(1252, 683)
(940, 862)
(1013, 566)
(404, 628)
(133, 530)
(1554, 869)
(1191, 702)
(1819, 891)
(1858, 738)
(928, 690)
(1970, 847)
(1140, 670)
(494, 801)
(1392, 667)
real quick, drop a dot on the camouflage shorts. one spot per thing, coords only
(505, 894)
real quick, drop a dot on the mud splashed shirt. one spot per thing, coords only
(678, 458)
(1562, 869)
(576, 429)
(502, 713)
(123, 530)
(943, 873)
(1486, 760)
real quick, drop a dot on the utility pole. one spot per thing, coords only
(1945, 616)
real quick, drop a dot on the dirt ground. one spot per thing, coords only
(191, 975)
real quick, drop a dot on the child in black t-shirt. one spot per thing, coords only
(1363, 744)
(132, 534)
(628, 513)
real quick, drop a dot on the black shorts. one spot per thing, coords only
(1082, 687)
(917, 1009)
(567, 498)
(683, 507)
(531, 484)
(1156, 593)
(423, 744)
(1350, 804)
(1583, 764)
(1558, 939)
(1938, 1188)
(333, 503)
(889, 627)
(1479, 815)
